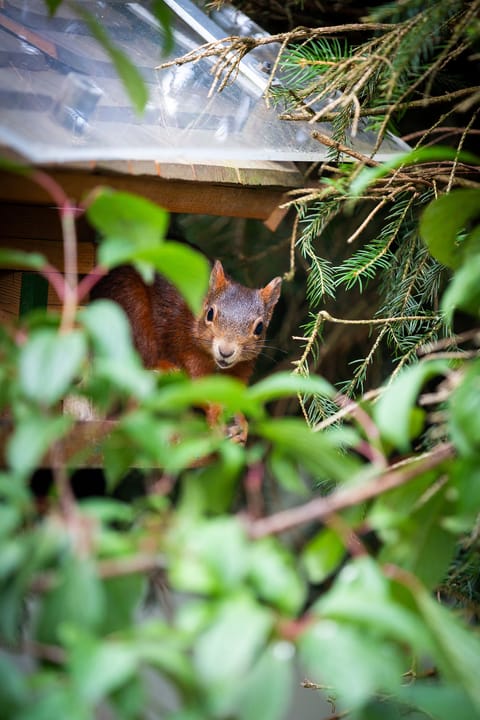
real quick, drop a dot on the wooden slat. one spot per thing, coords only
(53, 251)
(10, 289)
(10, 285)
(174, 195)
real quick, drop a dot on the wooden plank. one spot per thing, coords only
(33, 293)
(174, 195)
(10, 293)
(37, 221)
(80, 448)
(83, 438)
(53, 251)
(10, 284)
(249, 173)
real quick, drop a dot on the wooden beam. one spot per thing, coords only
(175, 195)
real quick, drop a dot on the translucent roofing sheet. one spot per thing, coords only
(61, 99)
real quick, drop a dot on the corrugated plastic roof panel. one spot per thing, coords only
(61, 99)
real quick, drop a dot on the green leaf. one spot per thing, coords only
(164, 15)
(20, 259)
(463, 291)
(135, 229)
(314, 450)
(373, 665)
(464, 420)
(128, 73)
(184, 267)
(370, 175)
(122, 597)
(441, 703)
(222, 389)
(217, 481)
(98, 668)
(49, 363)
(275, 577)
(410, 523)
(362, 595)
(287, 472)
(267, 689)
(123, 216)
(444, 219)
(456, 646)
(242, 626)
(14, 690)
(393, 411)
(283, 384)
(53, 5)
(76, 600)
(14, 167)
(208, 556)
(465, 494)
(31, 438)
(322, 555)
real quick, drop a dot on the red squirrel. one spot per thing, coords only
(226, 337)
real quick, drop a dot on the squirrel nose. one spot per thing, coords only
(226, 351)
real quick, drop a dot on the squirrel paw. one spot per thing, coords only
(237, 431)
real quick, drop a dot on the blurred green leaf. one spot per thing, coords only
(32, 437)
(77, 599)
(464, 417)
(164, 15)
(222, 389)
(441, 703)
(463, 292)
(122, 597)
(208, 556)
(184, 267)
(444, 219)
(49, 363)
(456, 646)
(283, 384)
(275, 577)
(130, 699)
(217, 481)
(393, 411)
(322, 555)
(14, 690)
(314, 450)
(286, 471)
(267, 689)
(115, 358)
(123, 216)
(241, 625)
(363, 596)
(465, 495)
(19, 259)
(128, 73)
(98, 667)
(373, 666)
(110, 331)
(410, 523)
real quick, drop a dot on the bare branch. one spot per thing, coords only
(322, 507)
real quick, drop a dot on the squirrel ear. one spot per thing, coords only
(271, 292)
(218, 279)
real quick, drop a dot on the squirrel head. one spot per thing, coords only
(234, 320)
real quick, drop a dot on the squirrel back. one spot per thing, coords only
(227, 336)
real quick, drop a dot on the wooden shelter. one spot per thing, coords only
(64, 110)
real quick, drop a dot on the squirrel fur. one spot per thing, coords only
(226, 337)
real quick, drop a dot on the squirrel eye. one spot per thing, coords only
(210, 314)
(258, 329)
